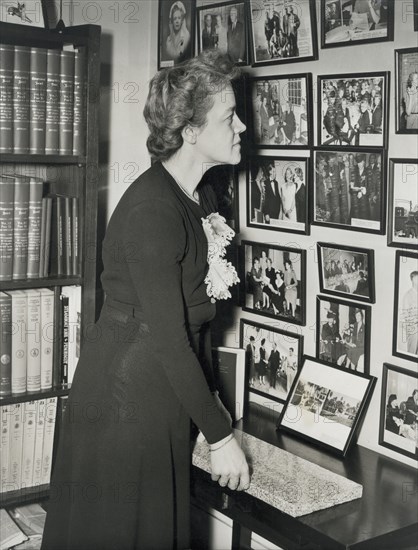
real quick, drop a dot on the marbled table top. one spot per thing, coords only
(283, 480)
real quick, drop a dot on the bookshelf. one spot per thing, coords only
(74, 175)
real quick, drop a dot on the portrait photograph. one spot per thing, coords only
(403, 203)
(176, 21)
(343, 333)
(399, 411)
(349, 189)
(326, 404)
(274, 281)
(348, 22)
(223, 179)
(277, 196)
(346, 271)
(405, 333)
(224, 27)
(282, 31)
(353, 110)
(32, 13)
(280, 111)
(406, 71)
(272, 358)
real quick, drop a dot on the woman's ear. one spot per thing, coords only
(189, 134)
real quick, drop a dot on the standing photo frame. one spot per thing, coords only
(176, 24)
(406, 98)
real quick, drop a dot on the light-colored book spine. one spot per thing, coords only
(39, 442)
(74, 296)
(16, 444)
(33, 346)
(29, 435)
(49, 430)
(47, 337)
(4, 448)
(19, 321)
(34, 226)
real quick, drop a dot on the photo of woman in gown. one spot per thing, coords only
(177, 44)
(290, 293)
(287, 192)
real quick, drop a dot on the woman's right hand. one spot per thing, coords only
(229, 466)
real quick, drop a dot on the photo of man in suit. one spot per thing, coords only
(236, 37)
(272, 202)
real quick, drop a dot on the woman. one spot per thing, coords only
(277, 293)
(221, 32)
(290, 293)
(257, 280)
(287, 191)
(411, 102)
(300, 198)
(262, 365)
(356, 345)
(179, 38)
(394, 418)
(149, 372)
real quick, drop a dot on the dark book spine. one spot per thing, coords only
(75, 255)
(6, 227)
(21, 99)
(38, 68)
(79, 103)
(56, 251)
(20, 227)
(6, 98)
(5, 344)
(66, 103)
(65, 328)
(67, 236)
(34, 225)
(52, 102)
(46, 249)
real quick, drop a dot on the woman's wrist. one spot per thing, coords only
(219, 444)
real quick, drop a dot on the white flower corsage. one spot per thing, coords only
(221, 274)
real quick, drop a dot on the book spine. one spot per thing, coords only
(68, 260)
(75, 253)
(66, 103)
(49, 429)
(65, 328)
(4, 448)
(47, 337)
(5, 344)
(57, 237)
(33, 345)
(21, 99)
(53, 102)
(6, 227)
(37, 127)
(74, 293)
(34, 227)
(28, 447)
(16, 444)
(39, 442)
(19, 319)
(20, 227)
(6, 98)
(79, 102)
(47, 246)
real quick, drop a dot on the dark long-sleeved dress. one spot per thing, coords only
(121, 479)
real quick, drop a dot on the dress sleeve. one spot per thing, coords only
(159, 236)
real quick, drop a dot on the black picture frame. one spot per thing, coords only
(352, 200)
(279, 370)
(353, 278)
(269, 296)
(340, 341)
(403, 198)
(32, 13)
(406, 65)
(337, 28)
(342, 121)
(221, 40)
(405, 306)
(171, 50)
(399, 401)
(290, 50)
(285, 121)
(223, 178)
(326, 405)
(415, 15)
(278, 209)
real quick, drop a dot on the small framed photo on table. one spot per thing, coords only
(353, 109)
(406, 104)
(326, 405)
(280, 111)
(355, 22)
(349, 189)
(399, 411)
(176, 20)
(282, 31)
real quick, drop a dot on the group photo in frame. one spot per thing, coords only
(403, 203)
(176, 24)
(406, 103)
(344, 23)
(282, 31)
(353, 109)
(343, 333)
(272, 358)
(280, 111)
(32, 13)
(273, 280)
(405, 333)
(346, 271)
(349, 189)
(277, 195)
(326, 405)
(398, 428)
(223, 27)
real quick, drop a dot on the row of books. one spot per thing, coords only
(35, 353)
(27, 439)
(38, 234)
(42, 100)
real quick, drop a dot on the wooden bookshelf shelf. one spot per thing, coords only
(28, 396)
(40, 283)
(13, 158)
(28, 495)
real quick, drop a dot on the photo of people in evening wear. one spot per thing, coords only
(176, 20)
(406, 306)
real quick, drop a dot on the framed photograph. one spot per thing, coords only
(224, 181)
(273, 359)
(176, 19)
(327, 404)
(280, 111)
(399, 411)
(277, 196)
(32, 13)
(415, 15)
(355, 22)
(349, 189)
(274, 281)
(223, 26)
(406, 102)
(343, 333)
(282, 31)
(403, 203)
(405, 333)
(353, 109)
(346, 271)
